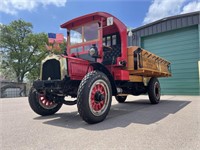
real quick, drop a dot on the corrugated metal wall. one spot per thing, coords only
(164, 25)
(181, 48)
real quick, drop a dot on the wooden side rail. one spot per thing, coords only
(142, 62)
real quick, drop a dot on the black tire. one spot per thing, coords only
(41, 105)
(154, 90)
(121, 99)
(94, 97)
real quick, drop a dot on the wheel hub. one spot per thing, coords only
(99, 97)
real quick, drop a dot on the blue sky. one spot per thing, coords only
(48, 15)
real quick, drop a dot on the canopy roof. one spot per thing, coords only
(93, 17)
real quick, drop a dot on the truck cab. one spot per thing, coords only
(98, 37)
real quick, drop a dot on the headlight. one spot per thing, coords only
(93, 52)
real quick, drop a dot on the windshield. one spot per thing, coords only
(84, 33)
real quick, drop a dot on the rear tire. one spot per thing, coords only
(121, 99)
(41, 105)
(94, 97)
(154, 90)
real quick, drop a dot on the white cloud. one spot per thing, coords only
(13, 6)
(192, 6)
(163, 8)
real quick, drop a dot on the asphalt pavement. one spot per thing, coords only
(173, 124)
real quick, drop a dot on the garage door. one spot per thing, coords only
(181, 48)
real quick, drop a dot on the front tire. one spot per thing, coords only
(94, 97)
(42, 105)
(154, 91)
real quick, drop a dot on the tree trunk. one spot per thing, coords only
(20, 78)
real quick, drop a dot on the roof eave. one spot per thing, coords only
(165, 19)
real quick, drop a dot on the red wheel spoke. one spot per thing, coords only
(95, 107)
(99, 87)
(99, 106)
(96, 88)
(93, 91)
(45, 102)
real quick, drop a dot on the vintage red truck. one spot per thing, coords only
(98, 64)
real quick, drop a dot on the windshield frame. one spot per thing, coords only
(82, 31)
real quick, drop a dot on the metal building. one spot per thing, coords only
(177, 39)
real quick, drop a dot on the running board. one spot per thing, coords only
(69, 102)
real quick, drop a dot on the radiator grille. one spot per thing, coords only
(51, 70)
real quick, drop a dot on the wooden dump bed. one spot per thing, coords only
(141, 62)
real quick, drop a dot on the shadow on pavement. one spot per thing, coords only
(120, 115)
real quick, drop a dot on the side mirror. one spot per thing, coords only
(130, 33)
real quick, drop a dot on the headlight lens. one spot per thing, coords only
(92, 51)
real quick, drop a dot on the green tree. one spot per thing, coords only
(23, 50)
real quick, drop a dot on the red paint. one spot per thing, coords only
(120, 74)
(78, 67)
